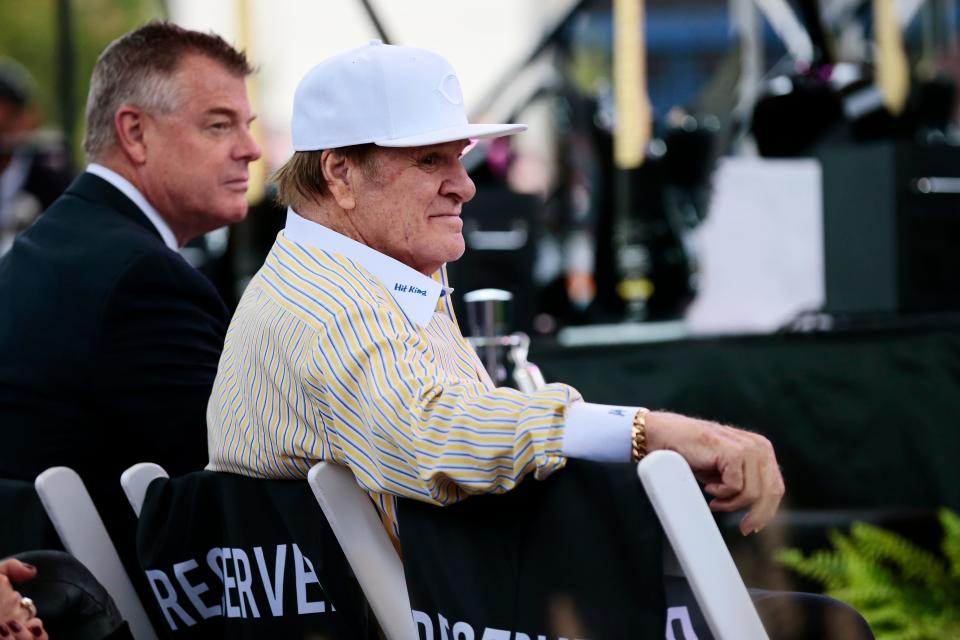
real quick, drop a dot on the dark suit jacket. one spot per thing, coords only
(109, 344)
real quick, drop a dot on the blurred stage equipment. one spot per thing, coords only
(488, 314)
(891, 163)
(891, 226)
(804, 106)
(619, 234)
(499, 228)
(631, 135)
(893, 73)
(792, 110)
(761, 248)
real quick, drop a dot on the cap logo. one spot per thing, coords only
(449, 88)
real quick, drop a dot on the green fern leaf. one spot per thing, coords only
(904, 591)
(825, 567)
(884, 546)
(951, 540)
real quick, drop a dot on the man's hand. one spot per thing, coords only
(737, 467)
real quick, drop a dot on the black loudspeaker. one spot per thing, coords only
(891, 227)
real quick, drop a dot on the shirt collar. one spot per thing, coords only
(127, 189)
(414, 292)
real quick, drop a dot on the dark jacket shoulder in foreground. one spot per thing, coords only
(109, 343)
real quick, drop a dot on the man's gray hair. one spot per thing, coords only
(137, 69)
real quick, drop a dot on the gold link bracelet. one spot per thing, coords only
(638, 432)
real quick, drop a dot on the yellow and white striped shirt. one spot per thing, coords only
(324, 360)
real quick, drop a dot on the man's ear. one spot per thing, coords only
(129, 123)
(338, 172)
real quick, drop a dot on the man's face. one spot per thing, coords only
(408, 204)
(195, 172)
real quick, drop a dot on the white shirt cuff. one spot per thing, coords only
(600, 432)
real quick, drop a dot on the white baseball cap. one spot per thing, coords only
(389, 95)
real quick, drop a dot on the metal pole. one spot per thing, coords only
(822, 46)
(939, 20)
(65, 88)
(746, 23)
(376, 21)
(630, 140)
(548, 40)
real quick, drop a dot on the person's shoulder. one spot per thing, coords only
(330, 284)
(70, 239)
(76, 236)
(163, 280)
(157, 263)
(74, 226)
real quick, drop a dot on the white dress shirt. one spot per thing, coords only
(134, 194)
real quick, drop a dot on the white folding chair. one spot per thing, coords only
(368, 549)
(135, 481)
(74, 516)
(703, 556)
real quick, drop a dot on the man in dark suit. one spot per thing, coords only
(109, 340)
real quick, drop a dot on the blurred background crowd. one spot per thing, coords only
(578, 239)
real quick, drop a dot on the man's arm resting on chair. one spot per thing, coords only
(738, 468)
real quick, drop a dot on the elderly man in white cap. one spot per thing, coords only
(344, 346)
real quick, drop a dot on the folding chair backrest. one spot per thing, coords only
(136, 479)
(263, 555)
(79, 526)
(365, 543)
(699, 547)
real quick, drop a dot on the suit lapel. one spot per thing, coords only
(95, 189)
